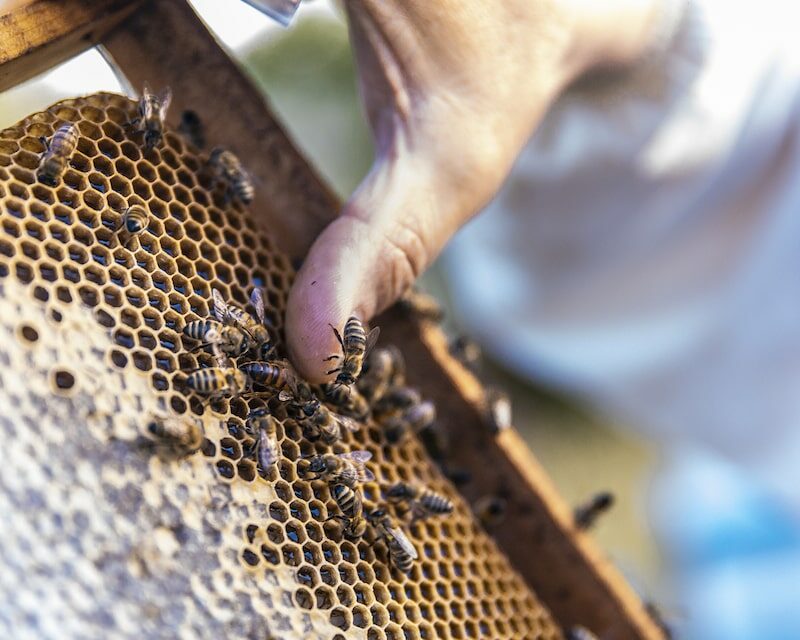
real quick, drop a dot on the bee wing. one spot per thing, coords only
(359, 458)
(268, 448)
(350, 424)
(257, 300)
(165, 98)
(402, 539)
(220, 306)
(372, 338)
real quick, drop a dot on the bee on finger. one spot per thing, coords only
(229, 339)
(383, 369)
(417, 418)
(348, 401)
(319, 422)
(234, 315)
(580, 633)
(58, 151)
(351, 505)
(265, 428)
(152, 112)
(401, 552)
(347, 469)
(229, 169)
(424, 502)
(217, 382)
(277, 375)
(182, 435)
(585, 515)
(132, 223)
(356, 344)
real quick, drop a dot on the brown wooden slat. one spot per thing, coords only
(166, 43)
(563, 566)
(38, 34)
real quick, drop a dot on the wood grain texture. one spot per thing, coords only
(562, 565)
(38, 34)
(166, 43)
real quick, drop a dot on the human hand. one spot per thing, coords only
(453, 90)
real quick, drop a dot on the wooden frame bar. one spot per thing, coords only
(563, 566)
(39, 34)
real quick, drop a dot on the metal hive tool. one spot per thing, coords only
(106, 534)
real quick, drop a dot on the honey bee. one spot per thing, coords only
(182, 435)
(497, 410)
(395, 400)
(490, 510)
(420, 305)
(265, 427)
(216, 382)
(342, 468)
(277, 375)
(152, 112)
(57, 153)
(356, 344)
(383, 368)
(401, 552)
(586, 515)
(580, 633)
(232, 314)
(319, 422)
(133, 222)
(349, 401)
(467, 352)
(229, 168)
(351, 505)
(417, 418)
(191, 126)
(228, 339)
(424, 501)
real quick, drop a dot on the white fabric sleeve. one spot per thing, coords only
(644, 251)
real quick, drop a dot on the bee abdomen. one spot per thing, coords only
(197, 329)
(244, 189)
(266, 374)
(347, 499)
(204, 381)
(400, 558)
(435, 503)
(355, 338)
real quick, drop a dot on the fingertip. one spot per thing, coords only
(325, 293)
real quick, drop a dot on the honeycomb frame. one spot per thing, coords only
(93, 335)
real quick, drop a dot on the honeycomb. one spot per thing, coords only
(106, 533)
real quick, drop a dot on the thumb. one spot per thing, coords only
(384, 238)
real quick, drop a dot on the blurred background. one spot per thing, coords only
(307, 72)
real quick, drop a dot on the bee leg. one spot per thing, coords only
(45, 142)
(333, 357)
(333, 371)
(338, 335)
